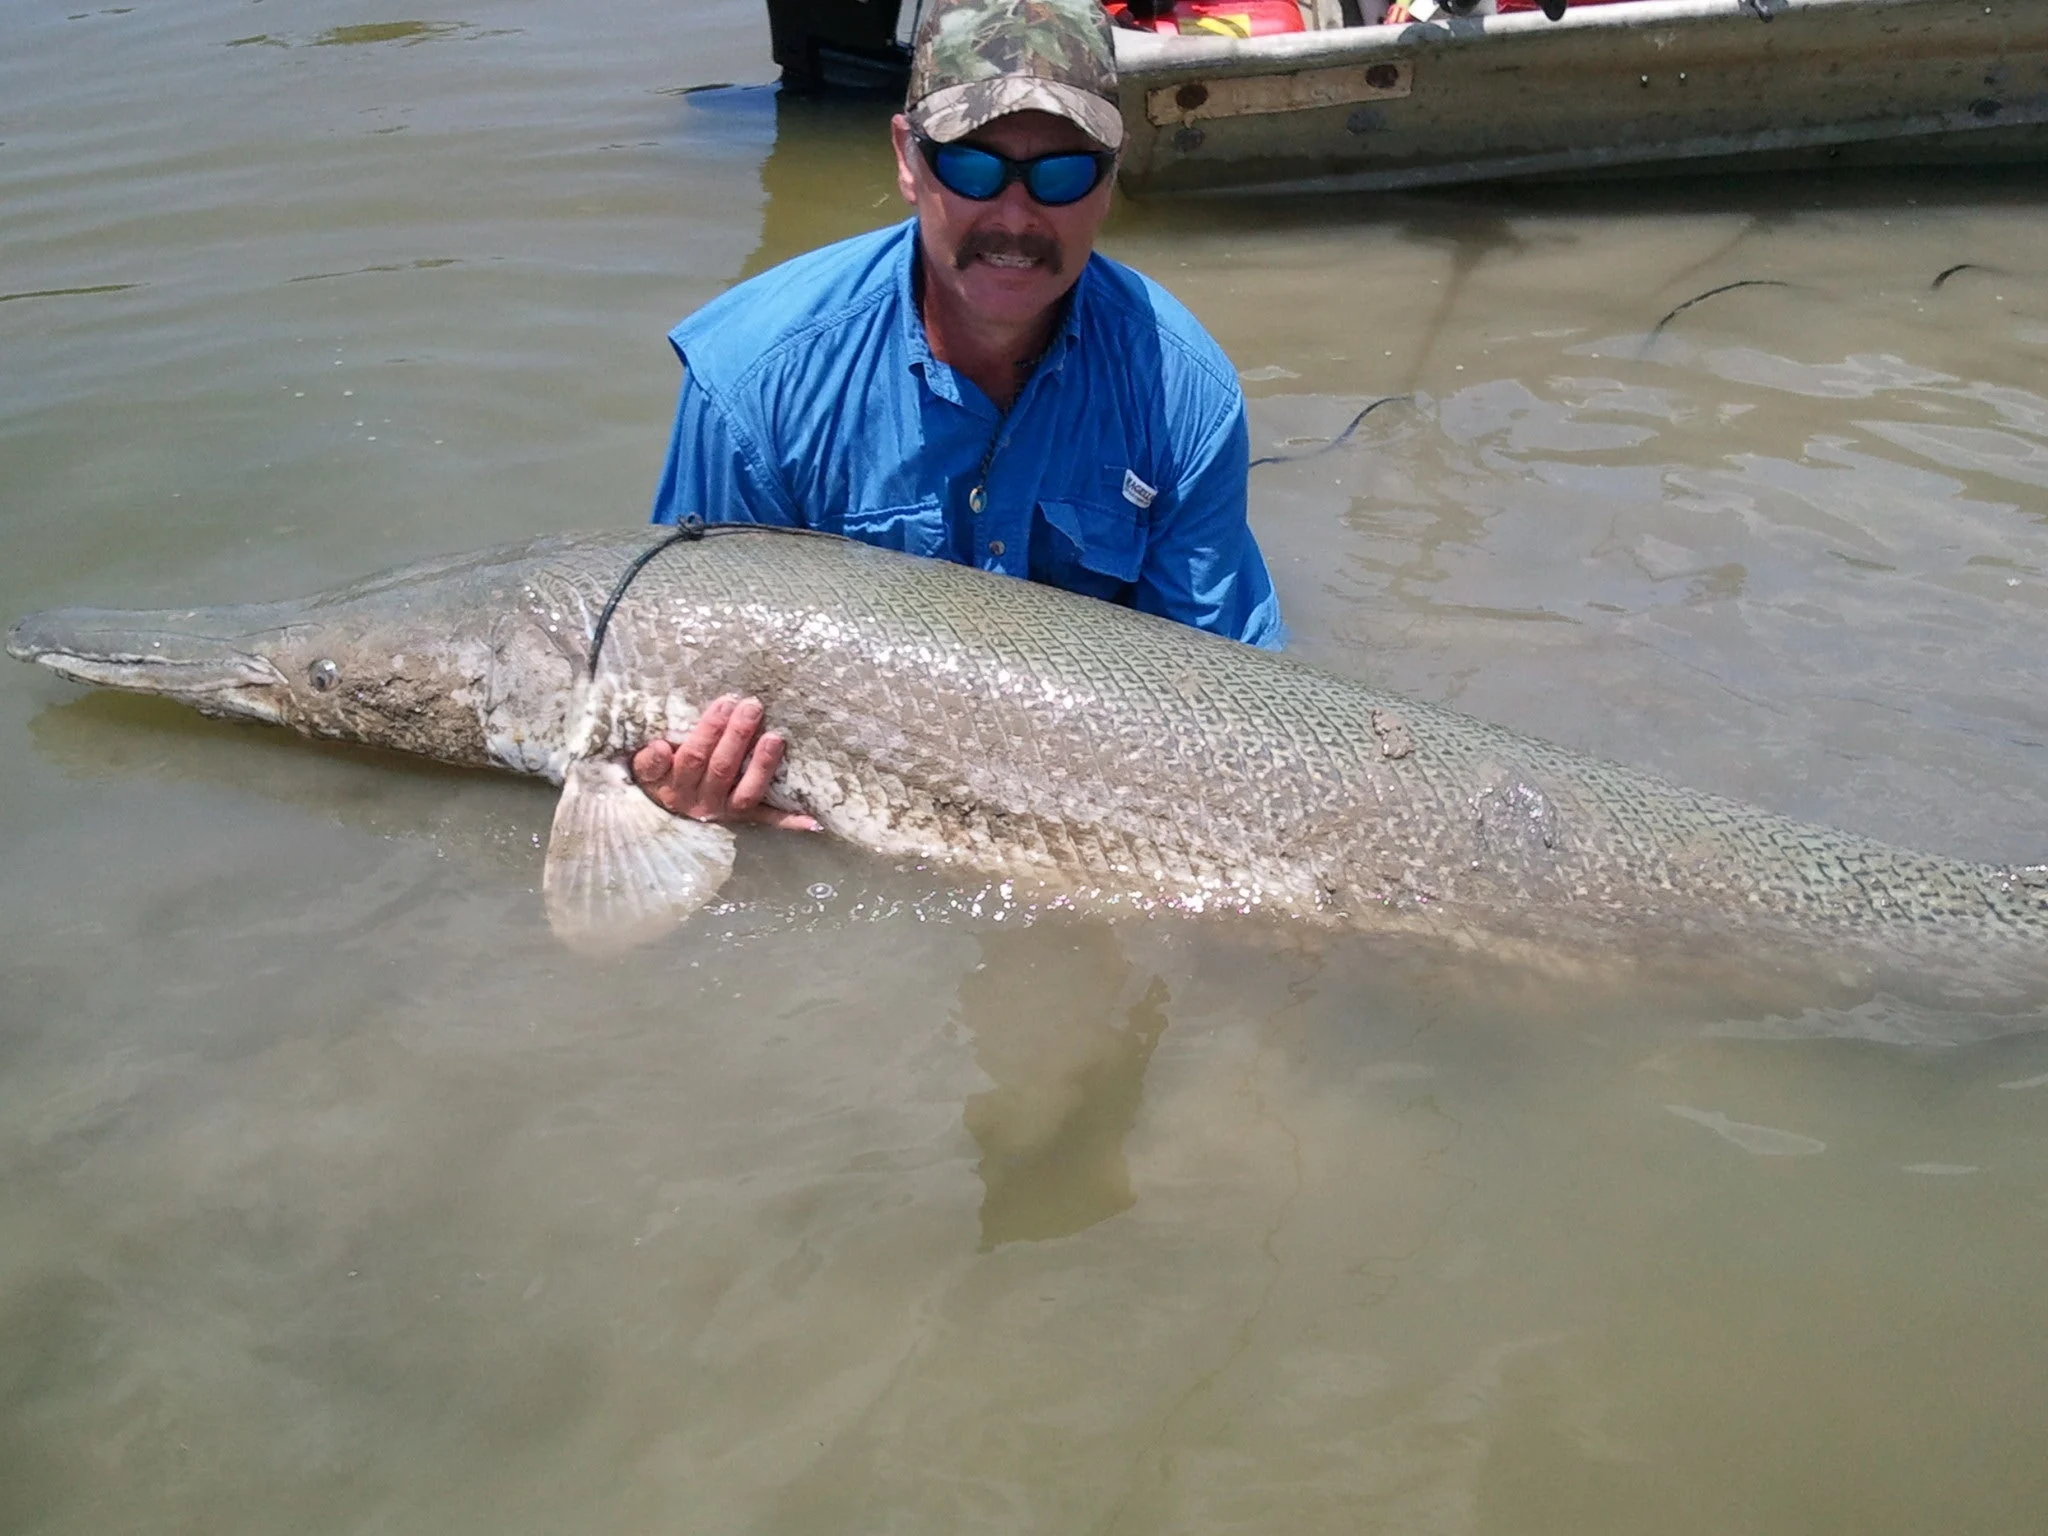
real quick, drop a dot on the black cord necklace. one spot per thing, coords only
(977, 498)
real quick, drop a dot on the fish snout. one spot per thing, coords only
(166, 653)
(24, 636)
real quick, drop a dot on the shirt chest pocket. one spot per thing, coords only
(1103, 538)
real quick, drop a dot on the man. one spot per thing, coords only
(974, 384)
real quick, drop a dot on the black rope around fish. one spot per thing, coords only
(689, 530)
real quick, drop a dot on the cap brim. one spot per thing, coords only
(954, 111)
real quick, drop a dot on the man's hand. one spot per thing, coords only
(719, 771)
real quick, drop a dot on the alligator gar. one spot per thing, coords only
(944, 714)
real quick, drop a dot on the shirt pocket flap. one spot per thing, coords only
(1106, 536)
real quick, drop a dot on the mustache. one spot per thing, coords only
(1001, 242)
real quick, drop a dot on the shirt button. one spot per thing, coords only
(995, 546)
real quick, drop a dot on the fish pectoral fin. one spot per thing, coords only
(620, 869)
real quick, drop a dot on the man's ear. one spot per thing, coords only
(906, 174)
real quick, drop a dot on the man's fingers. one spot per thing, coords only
(787, 821)
(693, 753)
(760, 773)
(747, 794)
(651, 766)
(719, 771)
(729, 756)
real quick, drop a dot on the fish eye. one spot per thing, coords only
(323, 675)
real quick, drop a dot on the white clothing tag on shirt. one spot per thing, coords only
(1137, 492)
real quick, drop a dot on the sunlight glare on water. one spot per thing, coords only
(334, 1196)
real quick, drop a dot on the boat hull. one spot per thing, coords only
(1650, 86)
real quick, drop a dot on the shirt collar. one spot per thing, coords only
(1079, 297)
(938, 378)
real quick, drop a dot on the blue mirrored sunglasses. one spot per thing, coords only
(981, 174)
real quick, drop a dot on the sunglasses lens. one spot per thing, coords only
(967, 172)
(1060, 179)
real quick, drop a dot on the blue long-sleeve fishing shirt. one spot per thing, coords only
(811, 398)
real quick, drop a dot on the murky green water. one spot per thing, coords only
(334, 1197)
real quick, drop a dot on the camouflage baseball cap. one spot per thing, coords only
(978, 60)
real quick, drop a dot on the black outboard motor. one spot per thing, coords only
(839, 42)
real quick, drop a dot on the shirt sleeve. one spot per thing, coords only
(1202, 566)
(713, 470)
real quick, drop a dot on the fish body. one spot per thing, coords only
(941, 713)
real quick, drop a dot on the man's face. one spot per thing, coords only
(1007, 260)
